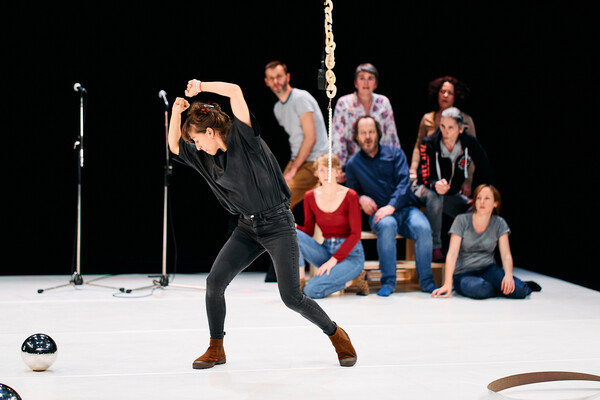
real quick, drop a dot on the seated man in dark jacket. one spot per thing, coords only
(445, 159)
(379, 175)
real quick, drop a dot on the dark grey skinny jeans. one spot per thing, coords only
(273, 231)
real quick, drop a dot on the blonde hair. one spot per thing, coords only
(323, 159)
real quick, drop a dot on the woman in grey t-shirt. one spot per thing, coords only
(470, 263)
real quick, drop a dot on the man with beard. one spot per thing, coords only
(299, 114)
(379, 174)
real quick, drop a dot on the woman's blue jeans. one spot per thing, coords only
(486, 282)
(317, 254)
(410, 223)
(273, 231)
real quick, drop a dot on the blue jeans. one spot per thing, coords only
(273, 231)
(435, 205)
(486, 282)
(410, 223)
(317, 254)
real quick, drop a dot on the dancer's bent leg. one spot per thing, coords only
(279, 238)
(240, 251)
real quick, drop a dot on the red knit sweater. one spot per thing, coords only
(344, 222)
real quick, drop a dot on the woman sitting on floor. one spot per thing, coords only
(336, 210)
(470, 262)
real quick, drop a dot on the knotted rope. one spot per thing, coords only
(331, 89)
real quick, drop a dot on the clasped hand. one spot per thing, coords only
(193, 88)
(369, 206)
(442, 186)
(180, 105)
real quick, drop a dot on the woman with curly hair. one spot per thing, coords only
(444, 92)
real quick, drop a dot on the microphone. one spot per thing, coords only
(321, 80)
(78, 88)
(163, 95)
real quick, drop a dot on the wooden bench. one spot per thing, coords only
(409, 244)
(406, 275)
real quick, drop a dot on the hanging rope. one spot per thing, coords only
(331, 89)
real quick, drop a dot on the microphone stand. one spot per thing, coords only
(163, 280)
(76, 278)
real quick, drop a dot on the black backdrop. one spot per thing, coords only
(529, 67)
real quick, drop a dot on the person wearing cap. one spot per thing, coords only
(445, 160)
(362, 102)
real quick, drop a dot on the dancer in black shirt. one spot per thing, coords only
(245, 177)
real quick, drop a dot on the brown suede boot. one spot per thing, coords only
(343, 347)
(214, 355)
(361, 283)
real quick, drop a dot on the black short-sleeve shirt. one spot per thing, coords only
(246, 179)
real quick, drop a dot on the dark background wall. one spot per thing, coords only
(533, 101)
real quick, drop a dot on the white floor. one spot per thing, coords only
(141, 345)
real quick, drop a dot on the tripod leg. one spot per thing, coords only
(163, 282)
(105, 286)
(53, 287)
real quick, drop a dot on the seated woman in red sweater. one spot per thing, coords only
(340, 258)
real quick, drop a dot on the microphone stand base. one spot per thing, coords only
(77, 280)
(163, 282)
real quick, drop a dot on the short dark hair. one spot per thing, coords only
(274, 64)
(366, 67)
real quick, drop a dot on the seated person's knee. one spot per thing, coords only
(386, 225)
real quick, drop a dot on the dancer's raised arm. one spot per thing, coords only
(179, 106)
(231, 90)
